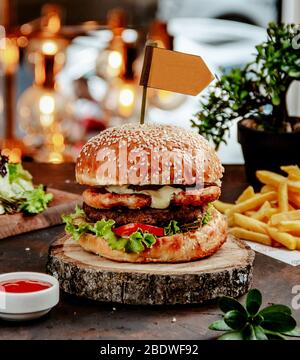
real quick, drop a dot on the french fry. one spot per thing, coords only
(283, 197)
(268, 214)
(249, 223)
(245, 195)
(285, 216)
(289, 241)
(289, 225)
(272, 216)
(261, 213)
(250, 212)
(251, 235)
(222, 206)
(273, 179)
(267, 188)
(294, 198)
(291, 207)
(293, 172)
(253, 203)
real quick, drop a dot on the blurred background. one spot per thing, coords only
(71, 68)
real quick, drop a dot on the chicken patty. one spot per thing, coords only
(99, 198)
(182, 214)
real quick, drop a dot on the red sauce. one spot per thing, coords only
(23, 286)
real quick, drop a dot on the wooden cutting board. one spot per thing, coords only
(62, 203)
(227, 272)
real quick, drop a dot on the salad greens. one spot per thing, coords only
(77, 224)
(172, 228)
(17, 192)
(207, 216)
(35, 201)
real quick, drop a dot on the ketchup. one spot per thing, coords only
(23, 286)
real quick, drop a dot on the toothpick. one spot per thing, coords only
(145, 76)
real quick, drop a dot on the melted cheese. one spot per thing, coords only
(160, 199)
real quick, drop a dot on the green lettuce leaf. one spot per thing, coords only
(172, 228)
(149, 240)
(16, 172)
(77, 224)
(35, 201)
(138, 240)
(208, 215)
(135, 243)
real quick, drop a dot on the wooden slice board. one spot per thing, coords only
(63, 202)
(228, 272)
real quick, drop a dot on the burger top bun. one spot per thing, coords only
(149, 154)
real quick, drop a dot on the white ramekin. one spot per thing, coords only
(27, 306)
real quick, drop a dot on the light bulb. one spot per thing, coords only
(46, 116)
(129, 35)
(47, 109)
(49, 47)
(47, 104)
(55, 158)
(126, 97)
(126, 100)
(115, 59)
(9, 55)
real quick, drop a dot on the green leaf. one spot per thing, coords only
(137, 241)
(295, 332)
(257, 320)
(294, 74)
(227, 303)
(249, 333)
(117, 243)
(208, 214)
(275, 308)
(231, 335)
(253, 301)
(103, 228)
(219, 325)
(134, 246)
(17, 172)
(278, 322)
(172, 228)
(235, 319)
(273, 335)
(149, 239)
(259, 333)
(36, 200)
(275, 100)
(77, 225)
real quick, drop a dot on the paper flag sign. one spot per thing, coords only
(174, 71)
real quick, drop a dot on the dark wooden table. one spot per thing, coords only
(76, 318)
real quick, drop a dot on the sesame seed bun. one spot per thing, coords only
(147, 154)
(181, 247)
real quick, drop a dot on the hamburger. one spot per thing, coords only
(150, 195)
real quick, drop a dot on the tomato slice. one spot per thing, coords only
(127, 230)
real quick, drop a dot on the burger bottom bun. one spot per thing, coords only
(182, 247)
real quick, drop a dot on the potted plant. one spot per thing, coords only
(256, 96)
